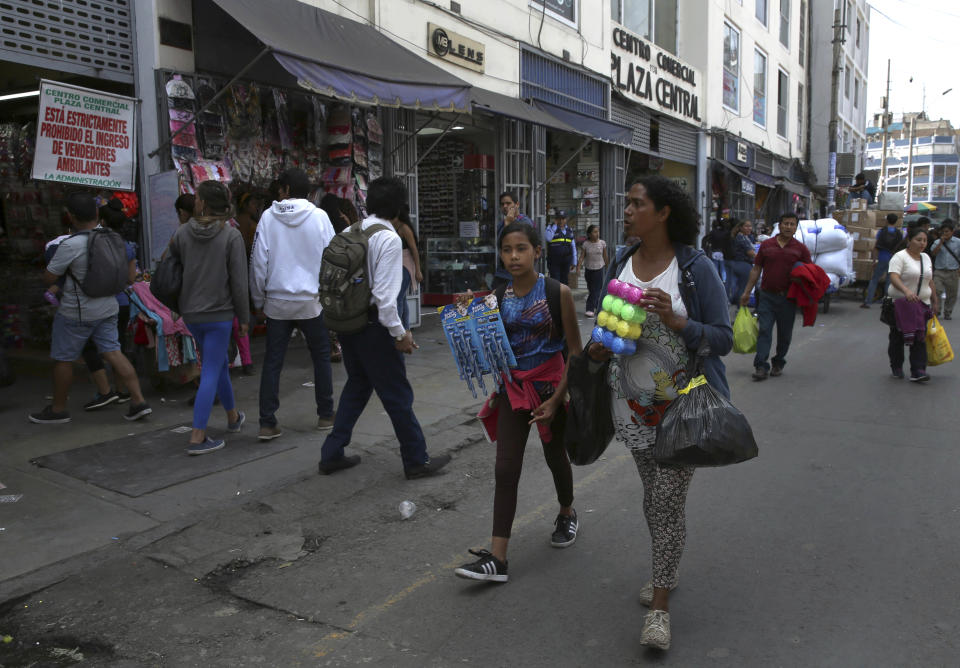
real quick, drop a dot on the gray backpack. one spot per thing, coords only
(344, 284)
(107, 266)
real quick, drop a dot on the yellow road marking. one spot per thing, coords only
(324, 646)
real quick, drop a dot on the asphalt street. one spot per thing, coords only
(836, 547)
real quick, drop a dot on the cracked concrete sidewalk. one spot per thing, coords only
(61, 525)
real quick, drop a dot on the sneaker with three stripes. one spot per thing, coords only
(487, 568)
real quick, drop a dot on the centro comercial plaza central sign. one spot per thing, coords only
(653, 77)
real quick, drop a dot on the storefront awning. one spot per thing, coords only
(739, 171)
(796, 188)
(345, 59)
(587, 125)
(762, 178)
(504, 105)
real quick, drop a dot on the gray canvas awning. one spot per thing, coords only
(512, 107)
(345, 59)
(796, 188)
(605, 131)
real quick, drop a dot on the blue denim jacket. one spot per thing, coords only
(705, 298)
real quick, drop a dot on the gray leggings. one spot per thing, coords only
(664, 498)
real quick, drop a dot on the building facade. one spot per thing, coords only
(851, 98)
(922, 161)
(755, 56)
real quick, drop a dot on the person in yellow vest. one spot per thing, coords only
(561, 248)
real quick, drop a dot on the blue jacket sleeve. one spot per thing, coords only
(710, 316)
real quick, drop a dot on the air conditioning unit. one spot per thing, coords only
(890, 201)
(846, 164)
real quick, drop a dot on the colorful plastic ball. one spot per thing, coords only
(617, 306)
(635, 331)
(629, 348)
(640, 317)
(607, 302)
(597, 334)
(612, 322)
(623, 329)
(632, 294)
(613, 287)
(628, 312)
(608, 338)
(602, 318)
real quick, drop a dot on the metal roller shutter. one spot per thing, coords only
(89, 37)
(678, 141)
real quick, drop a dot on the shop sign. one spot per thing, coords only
(748, 187)
(741, 152)
(85, 137)
(646, 73)
(455, 48)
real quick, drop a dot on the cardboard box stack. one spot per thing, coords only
(863, 226)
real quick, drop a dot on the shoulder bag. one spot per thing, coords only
(887, 314)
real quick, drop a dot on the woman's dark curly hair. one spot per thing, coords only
(683, 224)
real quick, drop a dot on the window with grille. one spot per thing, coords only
(731, 67)
(760, 88)
(90, 37)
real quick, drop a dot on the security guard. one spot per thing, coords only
(561, 247)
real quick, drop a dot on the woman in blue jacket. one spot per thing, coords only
(686, 308)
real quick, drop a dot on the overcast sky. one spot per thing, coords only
(922, 40)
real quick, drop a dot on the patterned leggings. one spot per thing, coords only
(664, 498)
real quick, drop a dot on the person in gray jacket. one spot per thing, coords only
(214, 291)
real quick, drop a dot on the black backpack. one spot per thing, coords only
(107, 272)
(344, 284)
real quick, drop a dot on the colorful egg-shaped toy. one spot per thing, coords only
(602, 318)
(629, 348)
(617, 306)
(635, 331)
(613, 288)
(597, 334)
(633, 294)
(640, 316)
(612, 322)
(623, 329)
(607, 302)
(628, 312)
(608, 338)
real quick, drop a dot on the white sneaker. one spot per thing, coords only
(656, 629)
(646, 593)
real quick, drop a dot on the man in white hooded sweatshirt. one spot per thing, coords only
(284, 284)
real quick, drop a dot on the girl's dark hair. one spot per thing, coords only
(683, 224)
(590, 228)
(185, 203)
(217, 197)
(112, 215)
(347, 207)
(523, 228)
(330, 204)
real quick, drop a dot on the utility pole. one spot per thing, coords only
(909, 194)
(838, 41)
(885, 121)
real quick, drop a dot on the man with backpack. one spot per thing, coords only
(284, 278)
(359, 283)
(94, 261)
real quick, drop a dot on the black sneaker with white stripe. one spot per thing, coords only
(566, 532)
(487, 567)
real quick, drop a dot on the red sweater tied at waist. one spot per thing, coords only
(523, 395)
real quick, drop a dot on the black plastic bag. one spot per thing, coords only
(589, 421)
(702, 428)
(167, 281)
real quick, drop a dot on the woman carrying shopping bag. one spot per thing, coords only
(685, 302)
(214, 291)
(914, 301)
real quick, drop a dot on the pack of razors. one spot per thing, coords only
(477, 340)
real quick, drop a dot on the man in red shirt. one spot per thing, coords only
(776, 258)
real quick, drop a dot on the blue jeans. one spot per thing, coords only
(403, 309)
(878, 271)
(773, 308)
(373, 363)
(213, 340)
(318, 343)
(738, 272)
(595, 285)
